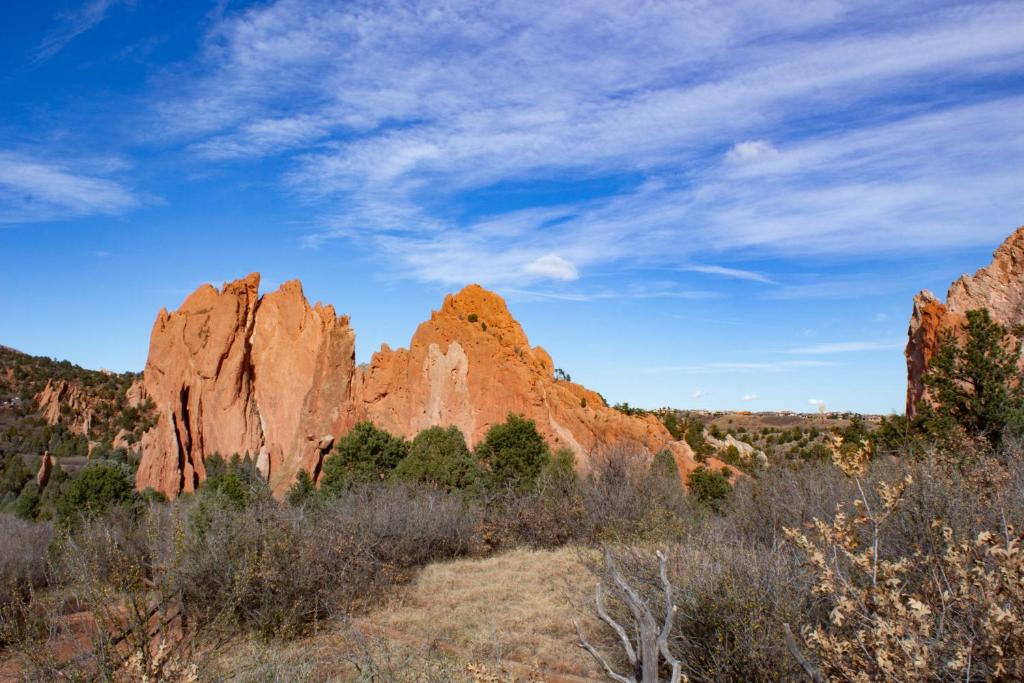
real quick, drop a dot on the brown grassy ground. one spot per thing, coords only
(515, 606)
(502, 619)
(336, 655)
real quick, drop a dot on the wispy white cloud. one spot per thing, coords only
(399, 112)
(749, 397)
(737, 367)
(851, 347)
(730, 272)
(39, 189)
(70, 25)
(626, 291)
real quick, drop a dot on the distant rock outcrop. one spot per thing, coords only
(45, 468)
(272, 377)
(66, 401)
(999, 287)
(745, 450)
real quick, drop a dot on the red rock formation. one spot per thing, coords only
(999, 287)
(471, 365)
(199, 375)
(45, 468)
(304, 359)
(276, 379)
(61, 394)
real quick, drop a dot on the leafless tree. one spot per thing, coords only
(649, 644)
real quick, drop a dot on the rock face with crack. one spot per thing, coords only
(199, 373)
(272, 377)
(999, 287)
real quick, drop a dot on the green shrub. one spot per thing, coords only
(694, 436)
(365, 454)
(237, 481)
(731, 455)
(27, 505)
(628, 409)
(664, 475)
(15, 475)
(709, 487)
(97, 488)
(561, 468)
(439, 456)
(514, 453)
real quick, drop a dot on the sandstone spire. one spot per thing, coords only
(274, 378)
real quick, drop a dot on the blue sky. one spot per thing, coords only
(697, 204)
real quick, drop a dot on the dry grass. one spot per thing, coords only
(516, 606)
(337, 654)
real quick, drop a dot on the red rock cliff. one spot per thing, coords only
(999, 287)
(232, 372)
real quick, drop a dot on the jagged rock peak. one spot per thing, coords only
(999, 287)
(274, 378)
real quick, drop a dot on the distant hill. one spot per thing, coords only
(71, 412)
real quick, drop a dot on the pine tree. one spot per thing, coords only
(975, 383)
(302, 490)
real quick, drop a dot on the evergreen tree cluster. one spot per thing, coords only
(512, 455)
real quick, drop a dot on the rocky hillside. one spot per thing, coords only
(65, 410)
(999, 287)
(96, 405)
(270, 376)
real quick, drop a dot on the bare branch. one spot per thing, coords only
(636, 604)
(812, 672)
(666, 628)
(597, 656)
(651, 645)
(606, 618)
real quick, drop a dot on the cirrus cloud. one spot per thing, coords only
(36, 189)
(403, 113)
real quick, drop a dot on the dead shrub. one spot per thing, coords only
(109, 616)
(955, 613)
(782, 497)
(731, 600)
(23, 565)
(23, 571)
(551, 516)
(625, 500)
(277, 570)
(150, 595)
